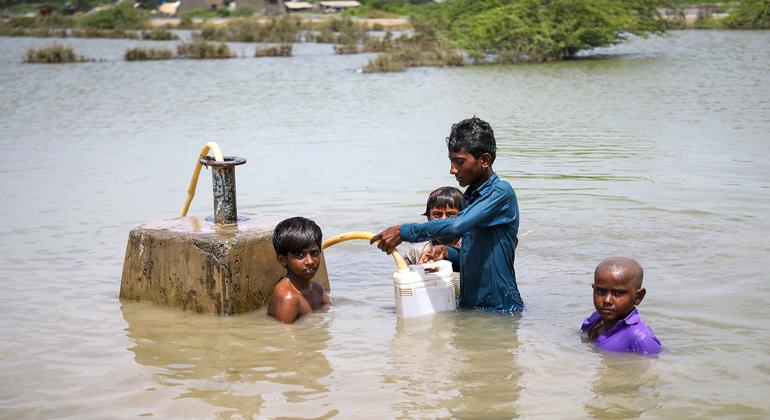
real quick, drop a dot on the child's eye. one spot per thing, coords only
(618, 292)
(315, 253)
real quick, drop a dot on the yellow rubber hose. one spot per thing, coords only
(400, 263)
(194, 181)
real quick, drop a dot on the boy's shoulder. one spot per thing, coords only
(285, 289)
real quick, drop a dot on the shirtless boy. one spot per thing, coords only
(297, 243)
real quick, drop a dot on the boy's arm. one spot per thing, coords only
(497, 207)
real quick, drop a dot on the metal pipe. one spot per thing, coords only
(223, 185)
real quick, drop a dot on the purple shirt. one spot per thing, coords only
(629, 334)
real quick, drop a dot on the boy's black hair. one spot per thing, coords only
(474, 135)
(295, 234)
(444, 197)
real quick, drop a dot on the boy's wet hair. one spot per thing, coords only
(444, 197)
(295, 234)
(474, 135)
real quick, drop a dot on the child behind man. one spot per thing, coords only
(297, 243)
(616, 325)
(443, 203)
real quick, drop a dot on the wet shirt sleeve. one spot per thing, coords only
(492, 208)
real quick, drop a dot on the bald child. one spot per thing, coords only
(616, 325)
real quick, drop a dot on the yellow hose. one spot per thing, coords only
(400, 263)
(194, 181)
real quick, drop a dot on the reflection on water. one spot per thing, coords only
(236, 364)
(658, 151)
(624, 387)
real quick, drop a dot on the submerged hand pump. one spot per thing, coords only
(223, 183)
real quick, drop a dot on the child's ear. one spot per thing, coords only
(282, 260)
(639, 296)
(486, 160)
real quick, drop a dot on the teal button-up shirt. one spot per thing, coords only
(488, 226)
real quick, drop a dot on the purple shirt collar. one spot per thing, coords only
(628, 334)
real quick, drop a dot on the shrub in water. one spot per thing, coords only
(203, 49)
(103, 33)
(346, 49)
(160, 35)
(56, 53)
(284, 29)
(143, 53)
(283, 50)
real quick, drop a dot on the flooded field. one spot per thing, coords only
(656, 149)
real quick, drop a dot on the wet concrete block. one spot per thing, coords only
(196, 265)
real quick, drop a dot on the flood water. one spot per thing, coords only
(656, 149)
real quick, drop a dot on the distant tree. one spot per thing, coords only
(750, 14)
(543, 30)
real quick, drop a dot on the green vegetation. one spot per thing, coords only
(203, 49)
(18, 7)
(56, 53)
(103, 33)
(283, 50)
(417, 51)
(346, 49)
(142, 53)
(159, 35)
(222, 12)
(33, 32)
(120, 16)
(375, 44)
(339, 31)
(386, 8)
(750, 14)
(540, 30)
(283, 29)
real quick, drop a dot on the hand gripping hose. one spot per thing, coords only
(194, 181)
(400, 263)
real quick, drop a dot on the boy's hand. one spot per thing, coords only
(388, 239)
(435, 253)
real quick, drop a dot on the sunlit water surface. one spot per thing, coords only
(656, 149)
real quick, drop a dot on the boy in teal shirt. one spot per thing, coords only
(488, 225)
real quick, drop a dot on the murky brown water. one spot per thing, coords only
(658, 151)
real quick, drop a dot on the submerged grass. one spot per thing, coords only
(103, 33)
(32, 32)
(283, 50)
(415, 52)
(346, 49)
(144, 53)
(159, 35)
(202, 49)
(56, 53)
(339, 31)
(283, 29)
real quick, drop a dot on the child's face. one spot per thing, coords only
(436, 213)
(303, 264)
(614, 295)
(467, 169)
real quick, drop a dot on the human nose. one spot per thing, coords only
(452, 169)
(607, 300)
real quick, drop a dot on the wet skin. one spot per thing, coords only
(298, 294)
(615, 296)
